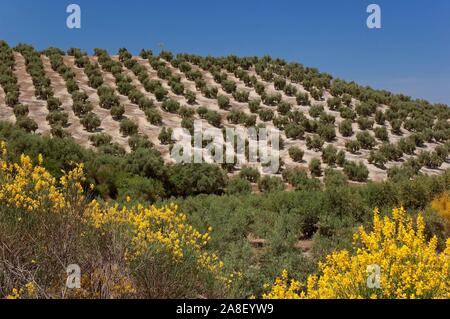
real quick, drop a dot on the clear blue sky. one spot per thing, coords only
(410, 54)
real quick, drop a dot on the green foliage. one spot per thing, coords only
(91, 122)
(187, 179)
(170, 106)
(315, 167)
(238, 186)
(353, 146)
(356, 172)
(268, 184)
(329, 155)
(250, 174)
(315, 143)
(100, 139)
(224, 102)
(296, 154)
(165, 136)
(366, 140)
(128, 127)
(345, 128)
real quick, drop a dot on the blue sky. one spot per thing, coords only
(410, 54)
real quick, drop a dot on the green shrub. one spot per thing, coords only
(377, 158)
(224, 102)
(137, 141)
(165, 136)
(268, 184)
(128, 127)
(382, 134)
(296, 154)
(356, 172)
(214, 118)
(365, 123)
(21, 110)
(315, 143)
(100, 139)
(327, 132)
(266, 114)
(294, 131)
(238, 186)
(27, 124)
(250, 174)
(303, 99)
(91, 122)
(284, 107)
(366, 140)
(345, 128)
(315, 167)
(352, 146)
(329, 155)
(194, 179)
(170, 106)
(117, 112)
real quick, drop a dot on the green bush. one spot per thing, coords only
(294, 131)
(170, 106)
(194, 179)
(345, 128)
(316, 110)
(303, 99)
(377, 158)
(27, 124)
(250, 174)
(381, 133)
(100, 139)
(296, 154)
(266, 114)
(58, 118)
(356, 172)
(91, 122)
(284, 107)
(268, 184)
(365, 123)
(224, 102)
(138, 141)
(214, 118)
(238, 186)
(329, 155)
(366, 140)
(21, 110)
(128, 127)
(315, 167)
(352, 146)
(327, 132)
(117, 112)
(315, 143)
(165, 136)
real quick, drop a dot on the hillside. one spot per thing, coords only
(103, 99)
(87, 180)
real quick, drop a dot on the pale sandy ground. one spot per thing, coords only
(38, 108)
(109, 125)
(38, 111)
(75, 128)
(6, 112)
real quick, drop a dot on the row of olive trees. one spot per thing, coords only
(9, 83)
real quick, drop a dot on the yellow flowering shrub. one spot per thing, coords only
(33, 188)
(28, 292)
(151, 225)
(410, 266)
(442, 205)
(61, 213)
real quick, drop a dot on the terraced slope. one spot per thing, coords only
(105, 99)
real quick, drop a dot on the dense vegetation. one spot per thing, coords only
(334, 132)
